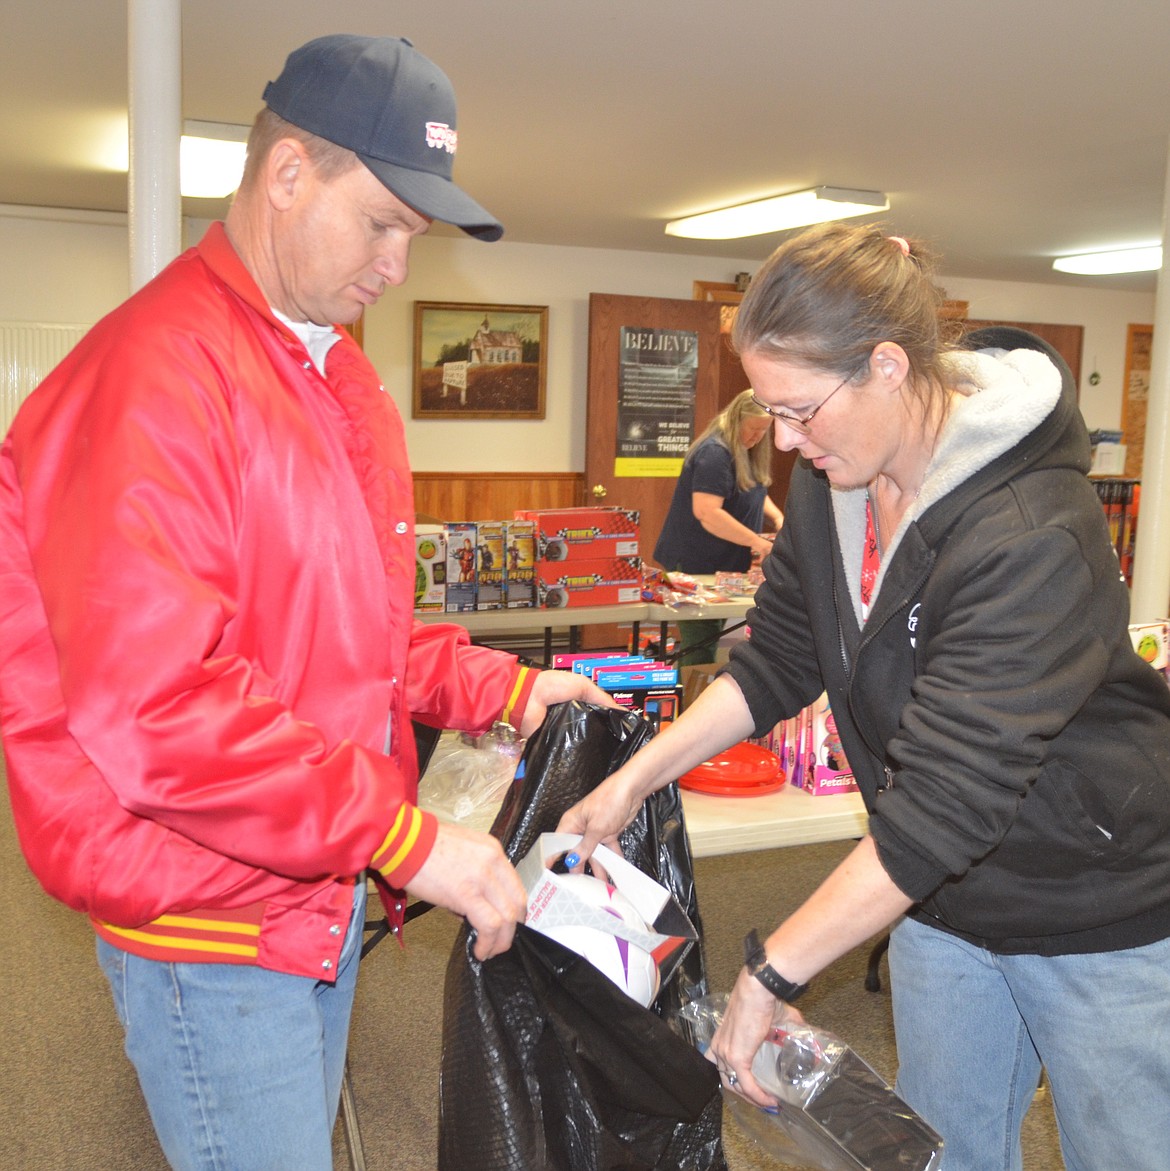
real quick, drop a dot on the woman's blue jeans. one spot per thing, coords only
(974, 1029)
(241, 1067)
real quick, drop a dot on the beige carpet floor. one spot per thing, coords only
(69, 1100)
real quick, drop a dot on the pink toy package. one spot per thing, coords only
(828, 771)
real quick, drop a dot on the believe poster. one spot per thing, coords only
(656, 400)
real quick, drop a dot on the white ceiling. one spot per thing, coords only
(1004, 132)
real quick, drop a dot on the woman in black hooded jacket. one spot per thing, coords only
(945, 573)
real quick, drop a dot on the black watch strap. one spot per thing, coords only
(756, 960)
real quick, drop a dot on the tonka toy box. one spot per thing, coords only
(605, 582)
(576, 534)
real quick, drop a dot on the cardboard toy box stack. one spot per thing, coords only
(551, 558)
(585, 556)
(486, 565)
(636, 682)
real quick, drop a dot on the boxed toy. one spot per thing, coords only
(1151, 640)
(606, 582)
(648, 675)
(462, 557)
(564, 662)
(489, 581)
(793, 760)
(590, 664)
(825, 768)
(660, 705)
(574, 534)
(833, 1112)
(520, 558)
(557, 907)
(430, 567)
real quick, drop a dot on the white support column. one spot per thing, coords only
(155, 86)
(1151, 569)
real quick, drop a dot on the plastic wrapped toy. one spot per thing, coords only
(834, 1111)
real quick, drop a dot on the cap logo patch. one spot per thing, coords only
(440, 136)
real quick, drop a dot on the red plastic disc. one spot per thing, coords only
(743, 770)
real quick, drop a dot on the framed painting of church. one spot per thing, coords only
(476, 361)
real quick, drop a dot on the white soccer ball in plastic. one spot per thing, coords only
(630, 967)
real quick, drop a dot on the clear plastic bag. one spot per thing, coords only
(468, 776)
(834, 1112)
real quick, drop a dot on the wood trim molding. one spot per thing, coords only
(454, 496)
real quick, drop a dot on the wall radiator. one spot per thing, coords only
(28, 351)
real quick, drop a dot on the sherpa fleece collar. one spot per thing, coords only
(1005, 395)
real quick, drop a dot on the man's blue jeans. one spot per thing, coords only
(241, 1067)
(974, 1028)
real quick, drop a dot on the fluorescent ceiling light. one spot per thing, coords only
(211, 159)
(817, 205)
(1104, 263)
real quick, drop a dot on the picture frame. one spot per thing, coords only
(474, 360)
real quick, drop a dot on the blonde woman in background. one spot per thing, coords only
(721, 516)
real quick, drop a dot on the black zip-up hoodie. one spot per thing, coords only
(1012, 748)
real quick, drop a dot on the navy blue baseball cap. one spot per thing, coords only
(394, 108)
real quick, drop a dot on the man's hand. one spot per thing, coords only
(557, 687)
(468, 873)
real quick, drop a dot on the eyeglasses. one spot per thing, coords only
(798, 424)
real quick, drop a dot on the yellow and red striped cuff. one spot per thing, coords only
(518, 693)
(407, 845)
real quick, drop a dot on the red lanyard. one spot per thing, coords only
(871, 561)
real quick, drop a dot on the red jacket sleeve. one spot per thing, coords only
(452, 684)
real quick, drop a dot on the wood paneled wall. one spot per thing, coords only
(494, 495)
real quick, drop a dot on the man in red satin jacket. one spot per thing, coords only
(210, 662)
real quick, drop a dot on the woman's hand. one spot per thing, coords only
(604, 813)
(750, 1017)
(716, 720)
(762, 546)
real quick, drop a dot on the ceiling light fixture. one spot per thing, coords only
(211, 159)
(817, 205)
(1104, 263)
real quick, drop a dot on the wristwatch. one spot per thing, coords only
(756, 960)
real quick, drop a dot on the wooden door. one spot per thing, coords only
(608, 315)
(732, 380)
(650, 495)
(1067, 340)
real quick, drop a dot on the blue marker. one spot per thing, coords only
(572, 860)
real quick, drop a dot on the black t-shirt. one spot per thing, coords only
(684, 544)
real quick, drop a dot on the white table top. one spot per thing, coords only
(715, 825)
(788, 817)
(735, 825)
(534, 619)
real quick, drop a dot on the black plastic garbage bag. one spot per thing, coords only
(547, 1065)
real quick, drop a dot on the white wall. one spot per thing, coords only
(1105, 316)
(70, 272)
(450, 269)
(62, 272)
